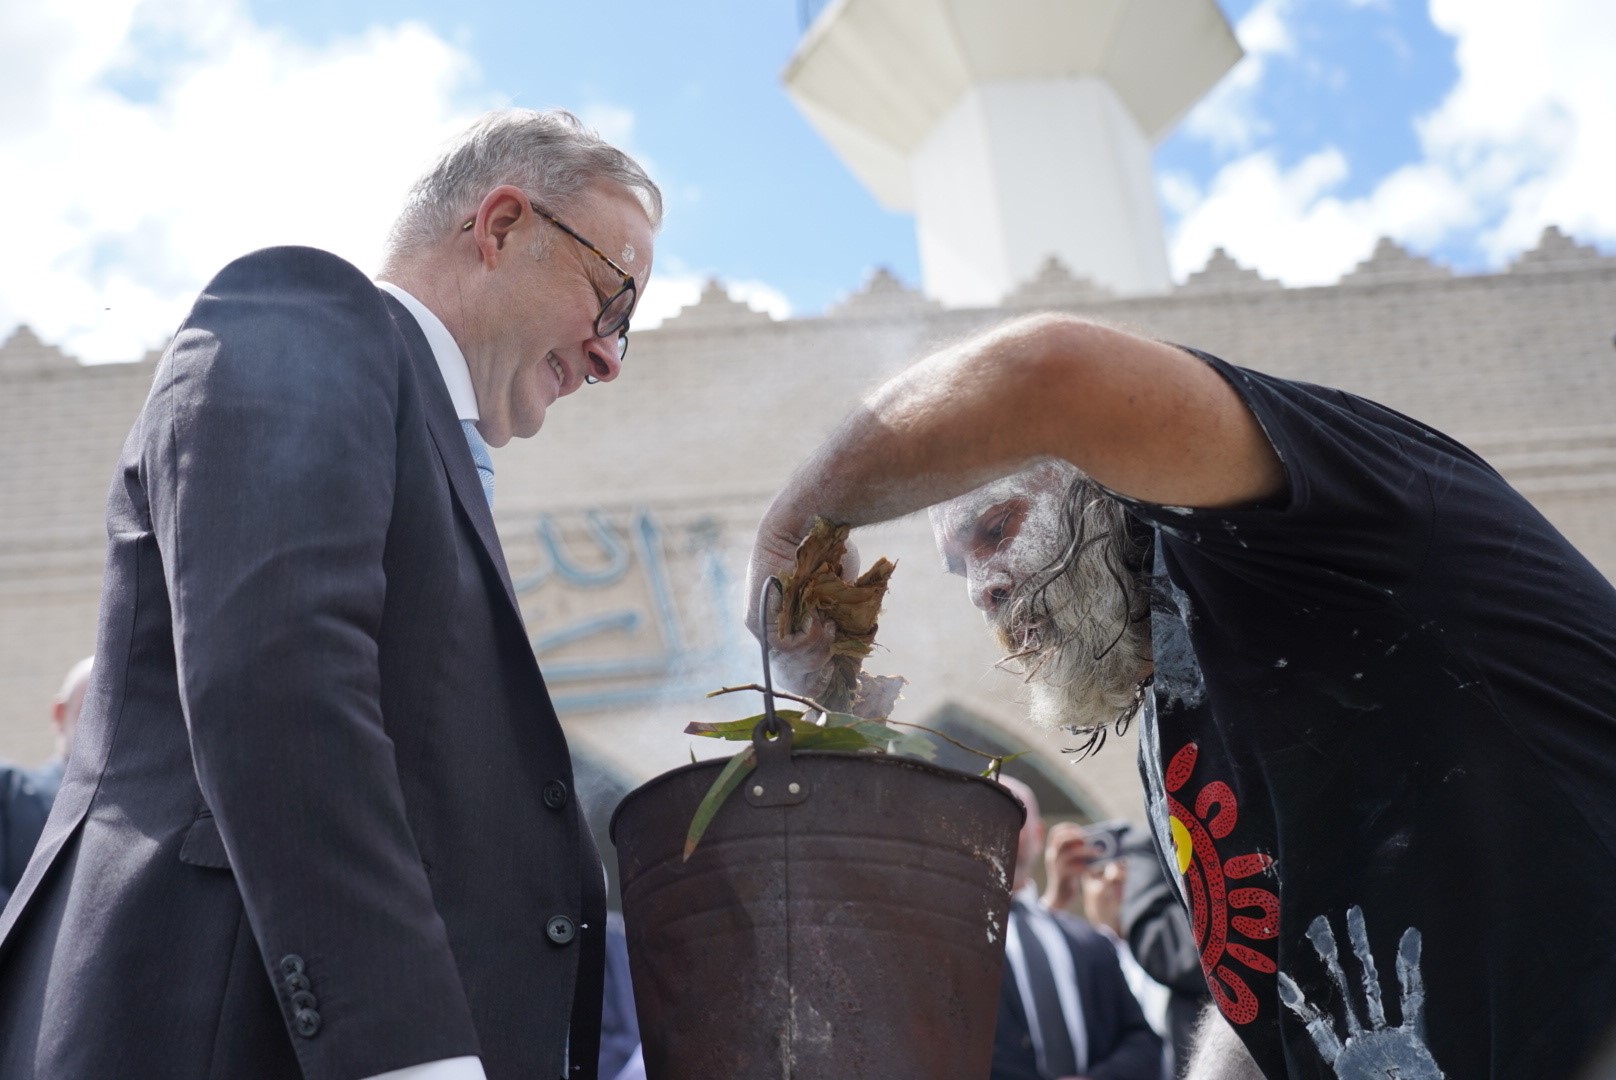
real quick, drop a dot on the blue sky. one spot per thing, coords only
(155, 139)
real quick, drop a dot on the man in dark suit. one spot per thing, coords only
(26, 794)
(1065, 1010)
(320, 819)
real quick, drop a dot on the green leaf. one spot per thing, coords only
(915, 745)
(892, 740)
(741, 730)
(844, 719)
(829, 738)
(729, 779)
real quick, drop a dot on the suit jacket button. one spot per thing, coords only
(307, 1022)
(555, 794)
(292, 964)
(560, 929)
(297, 982)
(303, 1001)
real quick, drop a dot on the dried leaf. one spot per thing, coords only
(877, 695)
(815, 588)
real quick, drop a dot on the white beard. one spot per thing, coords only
(1085, 647)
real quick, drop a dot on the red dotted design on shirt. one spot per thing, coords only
(1217, 811)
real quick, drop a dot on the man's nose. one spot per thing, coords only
(602, 356)
(990, 592)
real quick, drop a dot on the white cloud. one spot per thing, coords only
(1291, 227)
(1532, 120)
(1263, 31)
(1525, 138)
(228, 136)
(152, 141)
(1229, 117)
(1178, 191)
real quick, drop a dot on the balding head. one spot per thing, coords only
(67, 704)
(1031, 845)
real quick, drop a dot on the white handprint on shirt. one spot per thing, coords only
(1378, 1051)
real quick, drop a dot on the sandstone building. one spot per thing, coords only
(627, 521)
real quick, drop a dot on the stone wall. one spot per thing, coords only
(627, 521)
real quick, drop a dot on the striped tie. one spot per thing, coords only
(1054, 1039)
(479, 455)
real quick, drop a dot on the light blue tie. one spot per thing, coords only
(479, 455)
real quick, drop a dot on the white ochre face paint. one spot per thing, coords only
(628, 253)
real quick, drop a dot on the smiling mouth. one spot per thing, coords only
(555, 366)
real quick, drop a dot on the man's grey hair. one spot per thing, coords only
(550, 154)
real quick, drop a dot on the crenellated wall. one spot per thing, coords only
(627, 521)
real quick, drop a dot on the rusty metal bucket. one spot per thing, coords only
(843, 921)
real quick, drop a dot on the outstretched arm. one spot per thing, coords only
(1143, 418)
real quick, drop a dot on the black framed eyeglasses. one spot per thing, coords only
(618, 307)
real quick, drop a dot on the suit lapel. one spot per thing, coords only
(450, 440)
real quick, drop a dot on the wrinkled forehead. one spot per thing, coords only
(613, 218)
(953, 521)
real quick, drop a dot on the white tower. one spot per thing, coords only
(1013, 129)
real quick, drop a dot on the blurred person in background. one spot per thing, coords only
(26, 794)
(1093, 871)
(1065, 1010)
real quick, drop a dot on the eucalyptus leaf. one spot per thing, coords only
(741, 730)
(892, 739)
(729, 779)
(850, 733)
(915, 745)
(829, 738)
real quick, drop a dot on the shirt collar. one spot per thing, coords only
(451, 361)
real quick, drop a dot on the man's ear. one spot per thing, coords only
(502, 212)
(59, 715)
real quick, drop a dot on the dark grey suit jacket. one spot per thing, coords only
(1121, 1044)
(319, 818)
(25, 801)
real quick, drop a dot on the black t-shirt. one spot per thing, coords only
(1383, 756)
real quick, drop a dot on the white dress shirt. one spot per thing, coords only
(451, 361)
(457, 376)
(1061, 966)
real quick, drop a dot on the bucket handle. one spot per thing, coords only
(775, 782)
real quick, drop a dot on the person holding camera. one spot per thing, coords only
(1065, 1009)
(1112, 871)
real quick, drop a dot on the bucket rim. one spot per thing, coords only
(889, 760)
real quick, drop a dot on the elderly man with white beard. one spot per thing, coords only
(1372, 682)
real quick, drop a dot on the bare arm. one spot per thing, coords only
(1219, 1054)
(1143, 418)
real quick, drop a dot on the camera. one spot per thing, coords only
(1106, 840)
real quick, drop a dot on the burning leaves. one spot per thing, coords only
(816, 589)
